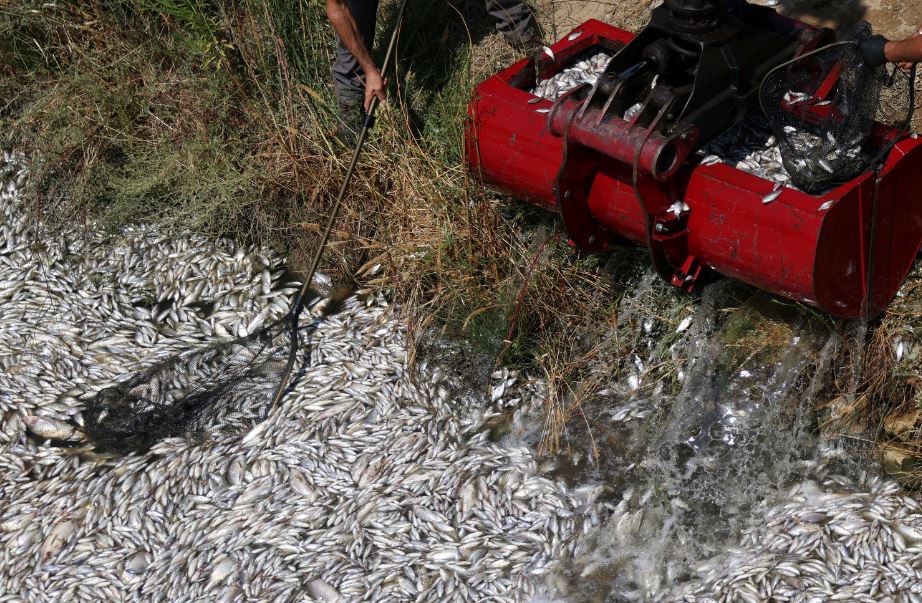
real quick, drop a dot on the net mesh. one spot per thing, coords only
(231, 383)
(823, 106)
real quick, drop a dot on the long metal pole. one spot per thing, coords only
(298, 303)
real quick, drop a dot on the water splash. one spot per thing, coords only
(682, 476)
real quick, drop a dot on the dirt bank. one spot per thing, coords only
(892, 19)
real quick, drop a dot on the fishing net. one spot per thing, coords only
(833, 115)
(231, 382)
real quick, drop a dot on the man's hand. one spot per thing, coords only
(877, 50)
(375, 86)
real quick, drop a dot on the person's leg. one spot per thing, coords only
(515, 20)
(348, 75)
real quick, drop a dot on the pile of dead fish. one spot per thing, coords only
(817, 158)
(374, 479)
(862, 543)
(585, 71)
(365, 482)
(750, 147)
(832, 538)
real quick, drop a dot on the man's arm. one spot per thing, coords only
(904, 51)
(339, 15)
(877, 50)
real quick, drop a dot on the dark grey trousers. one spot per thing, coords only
(347, 74)
(514, 19)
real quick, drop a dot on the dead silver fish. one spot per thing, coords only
(771, 196)
(318, 589)
(52, 429)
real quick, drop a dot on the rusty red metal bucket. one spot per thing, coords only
(846, 251)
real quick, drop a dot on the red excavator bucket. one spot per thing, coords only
(815, 249)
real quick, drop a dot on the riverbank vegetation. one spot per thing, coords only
(216, 116)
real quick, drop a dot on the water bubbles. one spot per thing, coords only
(712, 457)
(633, 382)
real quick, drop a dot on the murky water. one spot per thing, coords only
(681, 475)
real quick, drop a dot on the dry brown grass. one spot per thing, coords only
(875, 397)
